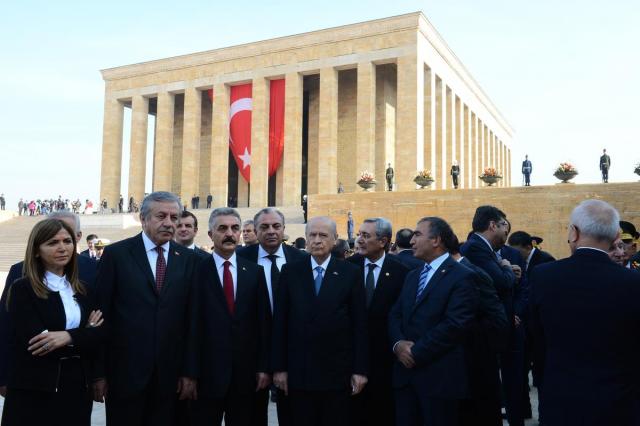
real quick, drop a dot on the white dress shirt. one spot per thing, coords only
(152, 253)
(315, 264)
(435, 264)
(526, 266)
(63, 287)
(264, 261)
(376, 270)
(219, 260)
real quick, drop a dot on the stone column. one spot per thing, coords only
(409, 121)
(510, 183)
(500, 163)
(468, 146)
(448, 140)
(138, 151)
(111, 167)
(440, 135)
(259, 184)
(366, 123)
(164, 142)
(191, 144)
(291, 167)
(482, 160)
(460, 142)
(328, 132)
(218, 179)
(430, 121)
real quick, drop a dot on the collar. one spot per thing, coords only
(55, 282)
(485, 240)
(592, 248)
(378, 262)
(324, 265)
(438, 261)
(150, 245)
(192, 246)
(219, 260)
(263, 253)
(531, 255)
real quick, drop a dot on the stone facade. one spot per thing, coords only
(539, 210)
(357, 97)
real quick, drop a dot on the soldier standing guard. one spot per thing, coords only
(527, 168)
(389, 174)
(605, 164)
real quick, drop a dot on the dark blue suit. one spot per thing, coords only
(86, 272)
(429, 392)
(585, 321)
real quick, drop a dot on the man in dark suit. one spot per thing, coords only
(486, 338)
(533, 256)
(86, 272)
(427, 327)
(585, 321)
(209, 200)
(605, 165)
(527, 169)
(383, 277)
(90, 251)
(229, 350)
(320, 346)
(249, 236)
(490, 231)
(272, 255)
(404, 251)
(186, 232)
(144, 285)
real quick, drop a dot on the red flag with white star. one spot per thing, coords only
(240, 127)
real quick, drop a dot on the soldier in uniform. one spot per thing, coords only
(605, 165)
(527, 168)
(389, 174)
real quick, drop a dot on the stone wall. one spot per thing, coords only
(539, 210)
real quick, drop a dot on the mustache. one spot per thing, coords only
(165, 229)
(229, 240)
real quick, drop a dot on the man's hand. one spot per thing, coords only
(516, 320)
(517, 270)
(99, 388)
(357, 383)
(263, 380)
(187, 388)
(280, 379)
(403, 353)
(3, 391)
(505, 262)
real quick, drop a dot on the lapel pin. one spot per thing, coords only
(335, 273)
(443, 271)
(386, 275)
(244, 269)
(176, 253)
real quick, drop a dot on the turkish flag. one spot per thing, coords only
(240, 127)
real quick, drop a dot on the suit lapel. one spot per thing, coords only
(440, 273)
(139, 255)
(242, 284)
(174, 268)
(213, 280)
(383, 281)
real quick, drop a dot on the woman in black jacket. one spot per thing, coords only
(54, 334)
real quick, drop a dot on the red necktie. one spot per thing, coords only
(161, 269)
(227, 286)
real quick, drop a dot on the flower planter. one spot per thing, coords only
(366, 185)
(423, 182)
(490, 180)
(637, 171)
(565, 177)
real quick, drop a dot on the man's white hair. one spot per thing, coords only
(596, 219)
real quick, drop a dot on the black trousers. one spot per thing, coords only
(319, 408)
(70, 406)
(605, 175)
(374, 406)
(235, 408)
(527, 179)
(283, 405)
(419, 410)
(261, 408)
(149, 407)
(455, 180)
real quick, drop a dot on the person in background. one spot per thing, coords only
(90, 252)
(249, 236)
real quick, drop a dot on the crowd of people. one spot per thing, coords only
(412, 328)
(44, 207)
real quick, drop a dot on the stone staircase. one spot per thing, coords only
(14, 232)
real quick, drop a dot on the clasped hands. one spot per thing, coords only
(402, 349)
(48, 341)
(280, 379)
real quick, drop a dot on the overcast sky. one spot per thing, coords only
(566, 75)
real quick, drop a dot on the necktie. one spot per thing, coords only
(161, 269)
(275, 273)
(370, 285)
(318, 281)
(227, 286)
(422, 282)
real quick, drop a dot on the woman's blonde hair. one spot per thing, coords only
(34, 269)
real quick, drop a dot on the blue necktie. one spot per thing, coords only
(318, 281)
(422, 282)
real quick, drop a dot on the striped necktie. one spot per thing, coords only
(422, 282)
